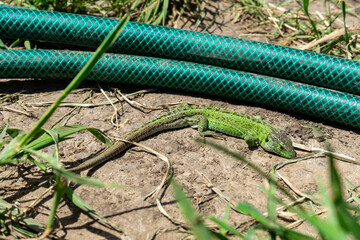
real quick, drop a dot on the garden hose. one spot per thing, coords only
(188, 76)
(143, 39)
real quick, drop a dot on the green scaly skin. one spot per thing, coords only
(207, 119)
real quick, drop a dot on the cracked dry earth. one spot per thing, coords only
(141, 172)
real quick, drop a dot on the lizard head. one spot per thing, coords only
(279, 143)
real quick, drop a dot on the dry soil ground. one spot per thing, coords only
(141, 172)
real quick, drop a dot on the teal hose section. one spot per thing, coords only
(142, 39)
(336, 106)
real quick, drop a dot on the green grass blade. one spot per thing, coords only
(353, 188)
(55, 137)
(155, 12)
(164, 11)
(268, 225)
(150, 8)
(251, 234)
(249, 163)
(191, 216)
(105, 45)
(19, 217)
(80, 203)
(14, 132)
(73, 177)
(343, 7)
(27, 44)
(3, 130)
(61, 134)
(356, 199)
(251, 211)
(346, 220)
(44, 139)
(313, 24)
(222, 231)
(58, 195)
(65, 131)
(330, 227)
(20, 229)
(40, 165)
(271, 200)
(2, 44)
(15, 43)
(224, 225)
(247, 209)
(6, 155)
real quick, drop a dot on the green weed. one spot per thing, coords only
(339, 223)
(36, 138)
(148, 11)
(296, 24)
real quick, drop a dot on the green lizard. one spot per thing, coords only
(207, 119)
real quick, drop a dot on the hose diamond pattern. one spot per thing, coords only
(315, 101)
(142, 39)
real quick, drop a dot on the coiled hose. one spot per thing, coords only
(336, 106)
(143, 39)
(152, 40)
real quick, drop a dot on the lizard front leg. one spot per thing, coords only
(251, 141)
(202, 124)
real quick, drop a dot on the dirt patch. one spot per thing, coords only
(141, 172)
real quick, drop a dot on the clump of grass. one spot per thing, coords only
(24, 143)
(14, 222)
(340, 222)
(149, 11)
(296, 24)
